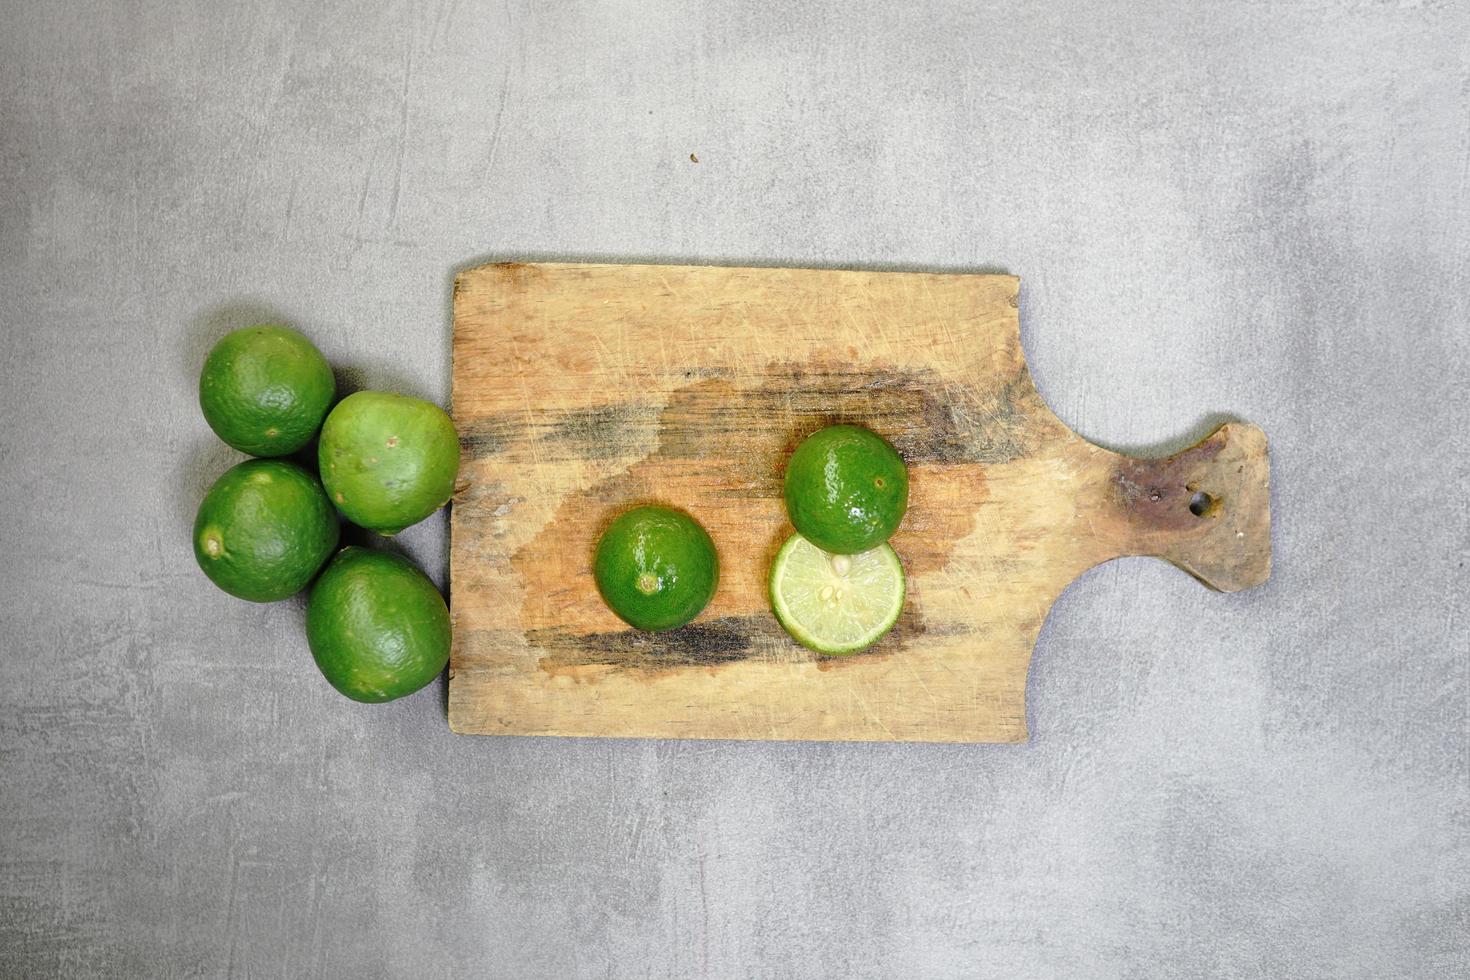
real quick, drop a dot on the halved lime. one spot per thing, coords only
(836, 603)
(656, 567)
(846, 489)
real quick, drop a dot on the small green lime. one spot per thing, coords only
(265, 390)
(836, 603)
(656, 567)
(387, 460)
(376, 625)
(264, 529)
(846, 489)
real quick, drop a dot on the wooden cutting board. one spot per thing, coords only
(580, 390)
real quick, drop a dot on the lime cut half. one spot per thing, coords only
(836, 603)
(656, 567)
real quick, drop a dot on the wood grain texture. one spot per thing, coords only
(580, 390)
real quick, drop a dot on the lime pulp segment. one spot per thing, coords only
(836, 603)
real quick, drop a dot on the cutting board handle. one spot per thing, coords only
(1206, 509)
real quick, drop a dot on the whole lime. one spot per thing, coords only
(265, 390)
(264, 529)
(388, 460)
(656, 567)
(376, 625)
(846, 489)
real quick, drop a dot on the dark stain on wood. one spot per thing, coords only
(1007, 428)
(604, 432)
(1206, 509)
(481, 439)
(712, 416)
(1155, 493)
(709, 643)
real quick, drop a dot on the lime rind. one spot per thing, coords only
(264, 390)
(656, 568)
(388, 461)
(836, 604)
(846, 489)
(264, 529)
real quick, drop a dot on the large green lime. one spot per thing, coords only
(387, 460)
(656, 567)
(377, 627)
(846, 489)
(264, 529)
(265, 390)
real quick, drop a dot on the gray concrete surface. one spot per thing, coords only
(1246, 209)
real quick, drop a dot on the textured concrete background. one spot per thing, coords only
(1249, 209)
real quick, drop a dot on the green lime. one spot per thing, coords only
(387, 460)
(656, 567)
(264, 529)
(265, 390)
(836, 603)
(846, 489)
(376, 625)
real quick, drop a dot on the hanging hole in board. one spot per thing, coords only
(1202, 504)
